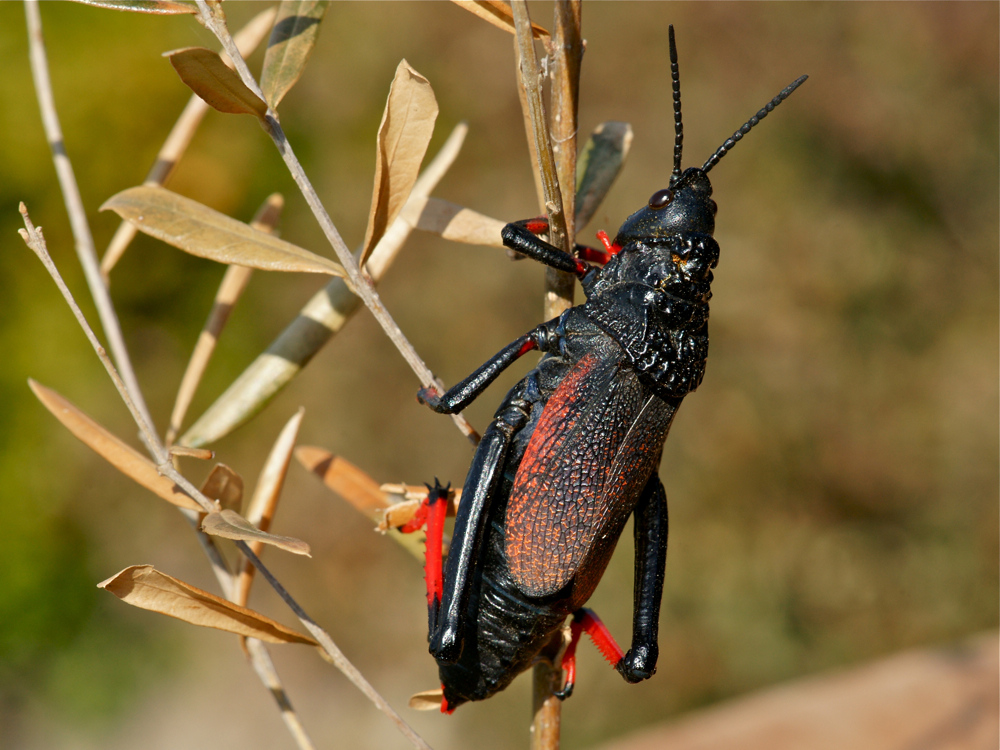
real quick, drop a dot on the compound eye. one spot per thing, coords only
(661, 198)
(713, 205)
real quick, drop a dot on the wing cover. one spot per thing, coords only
(598, 439)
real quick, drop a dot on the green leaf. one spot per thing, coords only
(600, 162)
(206, 75)
(292, 40)
(203, 231)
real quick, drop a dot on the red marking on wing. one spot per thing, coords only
(595, 445)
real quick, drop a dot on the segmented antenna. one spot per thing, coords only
(714, 158)
(675, 80)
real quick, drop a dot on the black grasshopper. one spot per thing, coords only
(573, 449)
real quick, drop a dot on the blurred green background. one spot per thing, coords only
(833, 485)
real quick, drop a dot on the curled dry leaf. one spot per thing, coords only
(499, 14)
(406, 129)
(203, 71)
(145, 587)
(455, 223)
(428, 700)
(123, 457)
(225, 485)
(231, 525)
(207, 233)
(292, 40)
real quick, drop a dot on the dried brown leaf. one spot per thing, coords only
(292, 41)
(145, 587)
(157, 7)
(499, 14)
(123, 457)
(225, 485)
(203, 71)
(231, 525)
(455, 223)
(264, 503)
(344, 478)
(406, 129)
(234, 281)
(202, 231)
(428, 700)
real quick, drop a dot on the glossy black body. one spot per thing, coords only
(573, 449)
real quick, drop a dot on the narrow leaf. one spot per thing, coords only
(234, 281)
(600, 162)
(206, 75)
(456, 223)
(406, 129)
(158, 7)
(357, 488)
(344, 478)
(123, 457)
(499, 14)
(264, 503)
(145, 587)
(225, 485)
(202, 231)
(231, 525)
(292, 40)
(320, 319)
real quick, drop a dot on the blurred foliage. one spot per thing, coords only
(833, 483)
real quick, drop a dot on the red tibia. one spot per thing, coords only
(586, 621)
(600, 635)
(437, 500)
(611, 247)
(537, 226)
(432, 512)
(569, 656)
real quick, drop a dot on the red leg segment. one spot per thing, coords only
(586, 621)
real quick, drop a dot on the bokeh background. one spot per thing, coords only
(833, 485)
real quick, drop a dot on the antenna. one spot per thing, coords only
(730, 142)
(675, 80)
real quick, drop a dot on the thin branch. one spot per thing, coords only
(321, 317)
(360, 281)
(335, 654)
(84, 240)
(260, 658)
(566, 57)
(556, 155)
(34, 238)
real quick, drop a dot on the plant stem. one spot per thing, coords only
(83, 239)
(360, 281)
